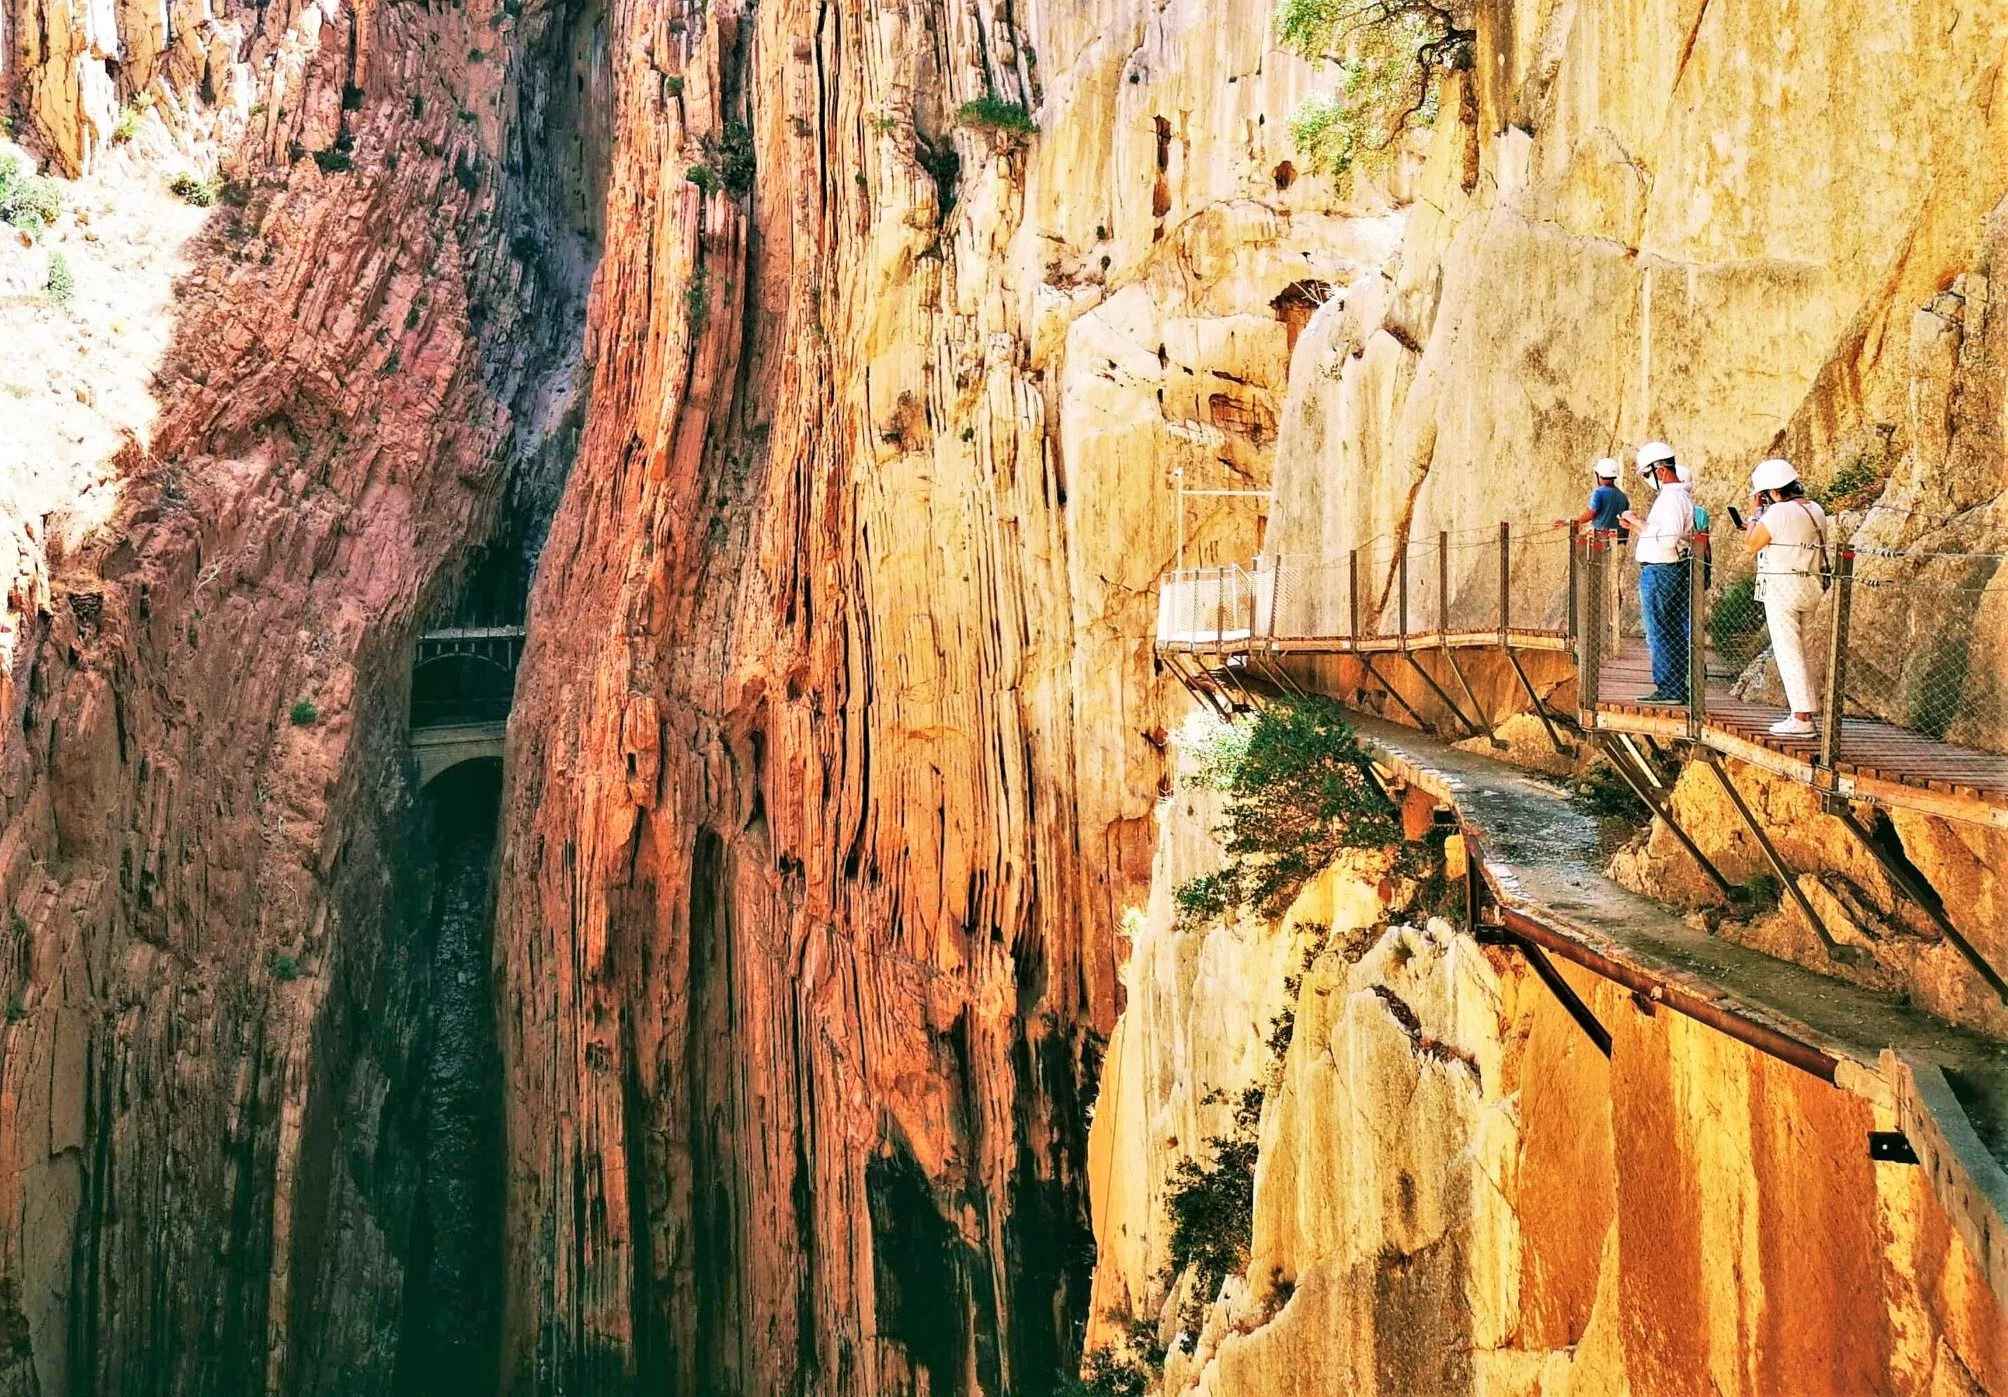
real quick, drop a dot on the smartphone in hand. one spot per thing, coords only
(1736, 518)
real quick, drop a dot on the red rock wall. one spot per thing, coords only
(205, 1166)
(793, 991)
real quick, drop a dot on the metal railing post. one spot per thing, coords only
(1697, 646)
(1219, 611)
(1353, 596)
(1401, 611)
(1837, 658)
(1506, 582)
(1572, 581)
(1443, 587)
(1589, 641)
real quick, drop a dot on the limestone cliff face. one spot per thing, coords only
(838, 735)
(838, 731)
(1686, 222)
(1455, 1192)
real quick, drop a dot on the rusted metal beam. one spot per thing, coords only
(1395, 694)
(1565, 993)
(1645, 790)
(1540, 708)
(1835, 949)
(1762, 1037)
(1926, 900)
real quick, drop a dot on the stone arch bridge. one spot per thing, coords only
(462, 682)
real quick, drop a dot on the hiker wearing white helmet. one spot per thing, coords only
(1788, 536)
(1607, 502)
(1663, 543)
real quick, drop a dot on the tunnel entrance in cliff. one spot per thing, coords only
(449, 1336)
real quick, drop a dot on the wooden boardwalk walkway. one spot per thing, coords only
(1878, 761)
(1415, 617)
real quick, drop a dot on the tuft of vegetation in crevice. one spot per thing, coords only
(944, 166)
(130, 118)
(731, 157)
(193, 189)
(61, 283)
(1109, 1372)
(697, 298)
(997, 115)
(1299, 792)
(1854, 485)
(1211, 1206)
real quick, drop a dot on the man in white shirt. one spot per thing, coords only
(1663, 542)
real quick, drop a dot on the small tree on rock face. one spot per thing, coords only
(1299, 793)
(1391, 56)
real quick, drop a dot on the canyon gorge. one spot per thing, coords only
(796, 999)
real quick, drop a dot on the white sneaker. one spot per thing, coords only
(1792, 727)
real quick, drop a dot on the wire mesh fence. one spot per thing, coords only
(1472, 582)
(1925, 635)
(1206, 607)
(1914, 638)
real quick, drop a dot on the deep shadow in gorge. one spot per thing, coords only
(449, 1330)
(401, 1252)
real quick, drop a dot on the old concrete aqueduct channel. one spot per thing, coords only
(899, 699)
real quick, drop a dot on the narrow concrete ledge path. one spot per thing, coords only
(1948, 1085)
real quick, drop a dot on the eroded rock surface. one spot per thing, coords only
(1455, 1192)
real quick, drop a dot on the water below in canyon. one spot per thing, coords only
(450, 1333)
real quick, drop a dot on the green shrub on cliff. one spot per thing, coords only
(1299, 791)
(28, 201)
(1212, 1210)
(1391, 56)
(61, 283)
(285, 967)
(1108, 1373)
(992, 113)
(304, 713)
(192, 189)
(732, 153)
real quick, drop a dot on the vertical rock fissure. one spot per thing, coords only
(450, 1324)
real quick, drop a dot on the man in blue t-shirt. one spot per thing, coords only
(1607, 502)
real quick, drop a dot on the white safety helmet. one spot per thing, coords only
(1607, 469)
(1773, 474)
(1650, 455)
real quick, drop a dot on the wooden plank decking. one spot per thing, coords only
(1877, 760)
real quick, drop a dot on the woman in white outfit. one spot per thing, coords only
(1789, 537)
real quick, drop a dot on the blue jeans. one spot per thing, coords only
(1662, 594)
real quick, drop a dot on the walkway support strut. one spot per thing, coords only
(1644, 788)
(1835, 949)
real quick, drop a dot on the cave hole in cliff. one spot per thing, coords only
(449, 1335)
(1296, 304)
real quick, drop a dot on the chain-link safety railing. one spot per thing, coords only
(1914, 638)
(1206, 608)
(1469, 586)
(1925, 642)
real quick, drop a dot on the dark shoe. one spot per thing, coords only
(1657, 697)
